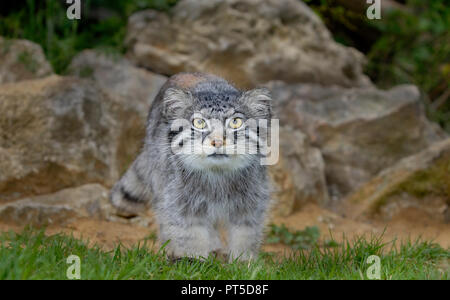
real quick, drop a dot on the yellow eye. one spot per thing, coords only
(199, 123)
(235, 123)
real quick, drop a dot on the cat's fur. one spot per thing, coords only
(191, 194)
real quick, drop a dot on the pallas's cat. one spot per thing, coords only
(200, 167)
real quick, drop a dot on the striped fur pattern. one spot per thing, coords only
(192, 194)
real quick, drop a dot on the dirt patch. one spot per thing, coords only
(105, 234)
(410, 224)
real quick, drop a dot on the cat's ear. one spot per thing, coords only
(175, 102)
(258, 102)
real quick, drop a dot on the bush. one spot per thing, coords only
(102, 25)
(415, 48)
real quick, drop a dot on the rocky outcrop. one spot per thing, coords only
(58, 208)
(21, 60)
(55, 133)
(420, 181)
(61, 132)
(132, 89)
(360, 131)
(299, 176)
(246, 41)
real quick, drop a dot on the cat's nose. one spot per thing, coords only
(217, 143)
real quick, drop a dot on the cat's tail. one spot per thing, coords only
(131, 194)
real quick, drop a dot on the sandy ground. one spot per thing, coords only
(411, 224)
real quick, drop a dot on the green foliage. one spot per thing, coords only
(414, 47)
(33, 255)
(346, 25)
(102, 25)
(405, 46)
(300, 239)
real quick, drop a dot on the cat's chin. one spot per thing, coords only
(216, 162)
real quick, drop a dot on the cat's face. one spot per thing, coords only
(217, 127)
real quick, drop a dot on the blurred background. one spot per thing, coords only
(410, 44)
(364, 105)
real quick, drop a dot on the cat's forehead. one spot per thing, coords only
(217, 113)
(215, 96)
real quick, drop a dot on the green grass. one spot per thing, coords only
(33, 255)
(299, 239)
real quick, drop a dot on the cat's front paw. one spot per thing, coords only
(243, 243)
(193, 241)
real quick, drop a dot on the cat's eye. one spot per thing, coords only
(199, 123)
(236, 123)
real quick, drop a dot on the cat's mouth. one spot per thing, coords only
(218, 155)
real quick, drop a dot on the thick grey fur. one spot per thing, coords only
(192, 195)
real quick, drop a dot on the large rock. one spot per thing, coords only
(55, 133)
(299, 176)
(67, 206)
(246, 41)
(420, 181)
(360, 131)
(131, 88)
(59, 208)
(21, 60)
